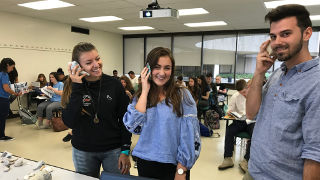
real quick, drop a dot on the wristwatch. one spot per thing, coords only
(180, 171)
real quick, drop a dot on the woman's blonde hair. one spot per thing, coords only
(67, 90)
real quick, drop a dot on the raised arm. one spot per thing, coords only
(136, 112)
(264, 62)
(141, 105)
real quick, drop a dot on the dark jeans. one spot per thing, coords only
(89, 163)
(4, 111)
(231, 131)
(162, 171)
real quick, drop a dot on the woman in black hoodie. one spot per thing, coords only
(94, 108)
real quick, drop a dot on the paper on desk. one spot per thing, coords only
(235, 114)
(42, 97)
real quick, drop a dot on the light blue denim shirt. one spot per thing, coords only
(165, 137)
(287, 130)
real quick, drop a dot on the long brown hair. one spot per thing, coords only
(129, 86)
(195, 89)
(44, 82)
(171, 89)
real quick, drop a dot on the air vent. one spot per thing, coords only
(80, 30)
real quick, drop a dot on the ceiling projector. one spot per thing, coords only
(154, 11)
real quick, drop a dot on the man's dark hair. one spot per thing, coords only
(241, 84)
(180, 78)
(114, 71)
(130, 72)
(209, 75)
(291, 10)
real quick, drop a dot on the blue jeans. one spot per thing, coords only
(89, 163)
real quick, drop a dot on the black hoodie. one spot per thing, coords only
(78, 115)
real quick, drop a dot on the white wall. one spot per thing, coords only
(40, 46)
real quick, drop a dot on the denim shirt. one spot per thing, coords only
(165, 137)
(287, 130)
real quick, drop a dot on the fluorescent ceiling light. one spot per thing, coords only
(203, 24)
(47, 4)
(135, 28)
(315, 17)
(194, 11)
(101, 19)
(274, 4)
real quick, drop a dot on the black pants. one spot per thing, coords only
(231, 131)
(4, 111)
(162, 171)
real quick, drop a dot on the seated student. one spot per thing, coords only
(36, 90)
(237, 104)
(126, 83)
(222, 91)
(180, 81)
(115, 74)
(43, 82)
(61, 76)
(47, 107)
(203, 104)
(213, 88)
(194, 89)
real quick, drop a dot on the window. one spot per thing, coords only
(248, 49)
(187, 55)
(133, 55)
(219, 56)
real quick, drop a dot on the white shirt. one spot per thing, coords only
(134, 83)
(237, 104)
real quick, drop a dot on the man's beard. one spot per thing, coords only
(296, 50)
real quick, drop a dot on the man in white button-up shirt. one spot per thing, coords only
(237, 104)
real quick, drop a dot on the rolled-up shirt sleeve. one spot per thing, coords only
(311, 130)
(190, 143)
(133, 119)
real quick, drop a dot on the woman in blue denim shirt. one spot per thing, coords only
(165, 116)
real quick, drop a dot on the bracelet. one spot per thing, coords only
(126, 152)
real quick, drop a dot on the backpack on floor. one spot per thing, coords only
(57, 123)
(204, 131)
(212, 119)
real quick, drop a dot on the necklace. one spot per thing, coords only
(95, 118)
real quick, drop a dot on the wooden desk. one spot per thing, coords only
(229, 117)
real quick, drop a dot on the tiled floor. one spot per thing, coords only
(47, 145)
